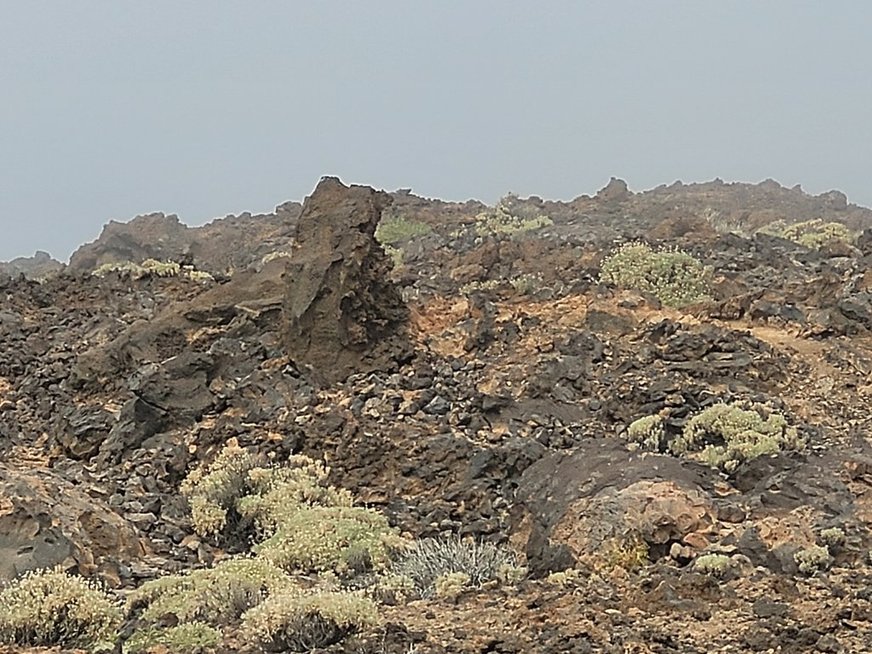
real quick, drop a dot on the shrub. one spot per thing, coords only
(427, 560)
(344, 539)
(216, 595)
(725, 435)
(812, 558)
(716, 565)
(833, 537)
(51, 608)
(152, 268)
(212, 490)
(648, 432)
(510, 217)
(396, 229)
(304, 622)
(812, 234)
(277, 493)
(675, 277)
(187, 638)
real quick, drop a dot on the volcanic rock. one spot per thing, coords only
(343, 313)
(47, 521)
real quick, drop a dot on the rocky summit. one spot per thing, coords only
(384, 424)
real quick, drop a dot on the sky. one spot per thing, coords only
(113, 108)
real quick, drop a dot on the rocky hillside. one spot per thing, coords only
(668, 446)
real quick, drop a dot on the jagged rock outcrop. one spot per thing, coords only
(38, 266)
(47, 521)
(223, 245)
(343, 313)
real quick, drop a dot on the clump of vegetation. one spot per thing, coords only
(812, 559)
(213, 595)
(275, 494)
(152, 268)
(725, 435)
(648, 432)
(673, 276)
(186, 638)
(451, 585)
(510, 216)
(566, 578)
(833, 537)
(213, 490)
(722, 436)
(630, 552)
(49, 608)
(716, 565)
(397, 229)
(525, 284)
(430, 559)
(812, 234)
(305, 622)
(343, 539)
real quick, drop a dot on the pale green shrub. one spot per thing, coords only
(305, 622)
(212, 490)
(279, 492)
(48, 608)
(716, 565)
(833, 537)
(725, 435)
(451, 585)
(344, 539)
(812, 234)
(812, 559)
(675, 277)
(392, 230)
(506, 218)
(427, 560)
(152, 268)
(214, 595)
(186, 638)
(648, 432)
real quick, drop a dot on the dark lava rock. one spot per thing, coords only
(343, 314)
(47, 521)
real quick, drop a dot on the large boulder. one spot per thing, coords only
(343, 314)
(47, 521)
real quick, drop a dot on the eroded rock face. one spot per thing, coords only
(47, 521)
(343, 314)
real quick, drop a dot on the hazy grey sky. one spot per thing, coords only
(111, 108)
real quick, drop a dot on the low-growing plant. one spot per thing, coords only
(47, 608)
(277, 493)
(812, 234)
(673, 276)
(213, 489)
(716, 565)
(813, 558)
(506, 218)
(152, 268)
(343, 539)
(833, 537)
(212, 595)
(629, 552)
(451, 585)
(304, 622)
(186, 638)
(648, 432)
(726, 435)
(396, 229)
(425, 561)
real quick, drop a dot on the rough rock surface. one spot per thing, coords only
(38, 266)
(508, 423)
(46, 521)
(343, 314)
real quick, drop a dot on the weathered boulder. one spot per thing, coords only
(47, 521)
(343, 314)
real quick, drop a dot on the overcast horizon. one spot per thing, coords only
(114, 108)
